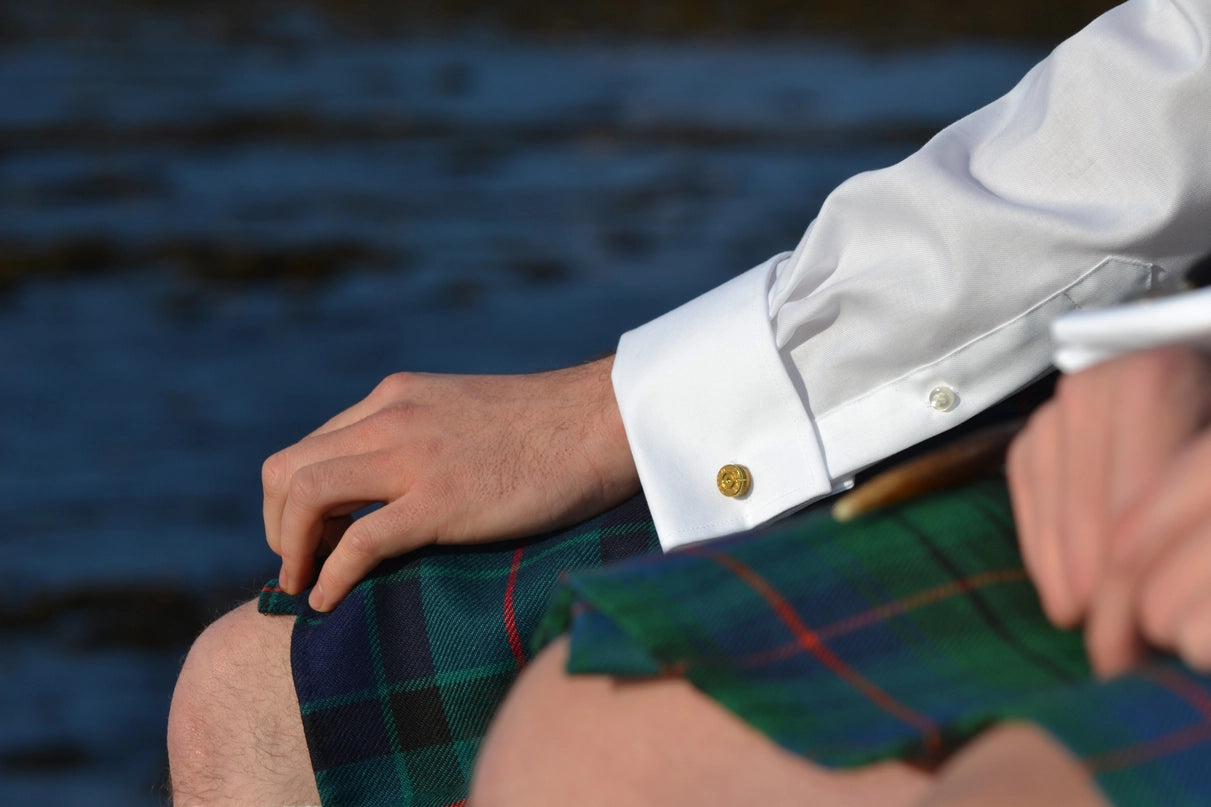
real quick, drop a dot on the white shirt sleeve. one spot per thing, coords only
(923, 292)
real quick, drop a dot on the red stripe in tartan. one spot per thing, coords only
(1169, 743)
(272, 590)
(811, 642)
(1182, 687)
(1140, 753)
(519, 654)
(883, 612)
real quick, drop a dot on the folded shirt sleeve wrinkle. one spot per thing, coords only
(942, 272)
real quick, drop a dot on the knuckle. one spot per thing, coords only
(307, 486)
(387, 426)
(275, 472)
(394, 386)
(360, 543)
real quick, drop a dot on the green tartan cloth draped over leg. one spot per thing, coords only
(397, 685)
(901, 634)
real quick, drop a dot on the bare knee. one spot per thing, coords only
(234, 729)
(601, 741)
(988, 773)
(535, 729)
(573, 729)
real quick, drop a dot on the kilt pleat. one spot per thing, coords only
(899, 635)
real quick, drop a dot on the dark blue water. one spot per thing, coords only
(209, 244)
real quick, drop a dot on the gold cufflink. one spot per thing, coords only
(733, 480)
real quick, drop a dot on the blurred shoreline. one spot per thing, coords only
(887, 24)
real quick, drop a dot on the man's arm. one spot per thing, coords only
(918, 297)
(922, 293)
(451, 459)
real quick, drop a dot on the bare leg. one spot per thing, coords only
(1012, 765)
(235, 736)
(590, 740)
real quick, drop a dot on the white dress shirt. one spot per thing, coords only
(923, 292)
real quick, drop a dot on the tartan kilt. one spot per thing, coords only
(397, 685)
(901, 634)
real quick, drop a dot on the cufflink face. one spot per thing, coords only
(733, 480)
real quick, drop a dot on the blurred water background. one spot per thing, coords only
(220, 223)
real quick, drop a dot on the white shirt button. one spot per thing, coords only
(943, 398)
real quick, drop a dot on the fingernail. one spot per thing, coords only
(316, 600)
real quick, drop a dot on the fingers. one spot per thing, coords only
(1163, 404)
(370, 540)
(323, 491)
(1166, 605)
(452, 476)
(1174, 589)
(1083, 512)
(334, 438)
(1085, 479)
(1035, 470)
(279, 471)
(1174, 504)
(1111, 640)
(1158, 576)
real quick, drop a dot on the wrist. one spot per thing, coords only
(606, 451)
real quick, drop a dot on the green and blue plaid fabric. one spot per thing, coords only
(397, 685)
(901, 634)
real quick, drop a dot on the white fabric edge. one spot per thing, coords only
(1085, 338)
(704, 386)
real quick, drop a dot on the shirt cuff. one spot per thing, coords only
(705, 386)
